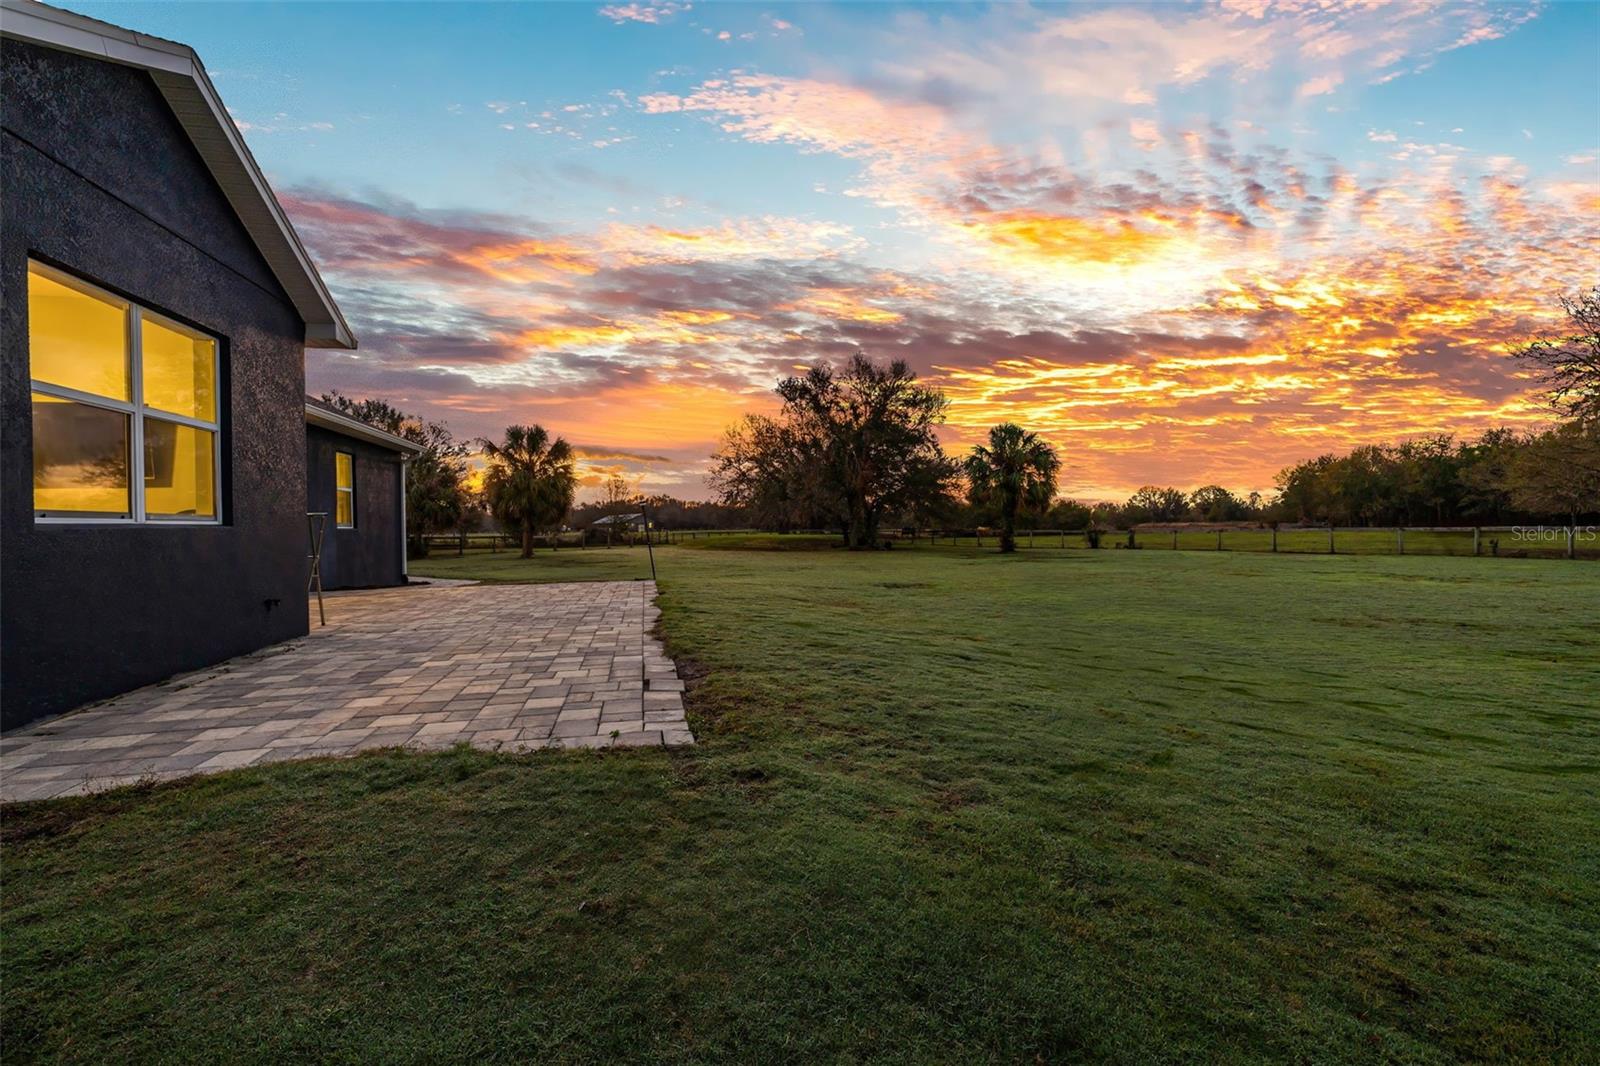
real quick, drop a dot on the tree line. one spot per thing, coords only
(1500, 477)
(1503, 475)
(855, 449)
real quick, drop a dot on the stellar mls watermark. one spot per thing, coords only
(1555, 534)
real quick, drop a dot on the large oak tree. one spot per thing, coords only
(848, 447)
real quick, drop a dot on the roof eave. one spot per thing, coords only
(329, 335)
(354, 427)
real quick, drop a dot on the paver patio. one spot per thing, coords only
(509, 667)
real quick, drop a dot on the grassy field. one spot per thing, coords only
(946, 806)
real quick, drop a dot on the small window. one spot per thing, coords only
(344, 483)
(125, 419)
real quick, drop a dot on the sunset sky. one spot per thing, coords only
(1188, 243)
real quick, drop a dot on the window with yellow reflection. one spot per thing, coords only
(80, 458)
(178, 470)
(180, 370)
(77, 338)
(344, 484)
(126, 425)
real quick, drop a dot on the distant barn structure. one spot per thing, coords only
(632, 523)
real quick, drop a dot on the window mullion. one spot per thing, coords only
(180, 420)
(136, 370)
(88, 399)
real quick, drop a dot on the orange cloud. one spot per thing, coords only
(528, 260)
(1106, 241)
(841, 304)
(669, 330)
(698, 318)
(650, 414)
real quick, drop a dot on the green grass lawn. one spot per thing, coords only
(946, 806)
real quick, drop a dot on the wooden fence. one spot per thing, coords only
(1514, 541)
(569, 538)
(1571, 542)
(494, 542)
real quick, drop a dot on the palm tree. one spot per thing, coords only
(530, 481)
(1017, 468)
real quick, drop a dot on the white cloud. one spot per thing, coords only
(1132, 55)
(651, 14)
(279, 123)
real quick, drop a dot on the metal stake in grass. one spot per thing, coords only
(317, 522)
(644, 511)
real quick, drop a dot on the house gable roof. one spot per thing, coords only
(182, 80)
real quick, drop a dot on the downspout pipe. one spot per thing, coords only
(405, 540)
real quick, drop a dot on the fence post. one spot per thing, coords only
(1030, 538)
(1476, 532)
(461, 545)
(1063, 538)
(1174, 540)
(1572, 542)
(1330, 538)
(1131, 542)
(1400, 539)
(1219, 540)
(1274, 538)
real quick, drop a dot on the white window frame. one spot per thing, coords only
(338, 490)
(133, 318)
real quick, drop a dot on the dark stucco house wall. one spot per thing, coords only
(371, 553)
(101, 181)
